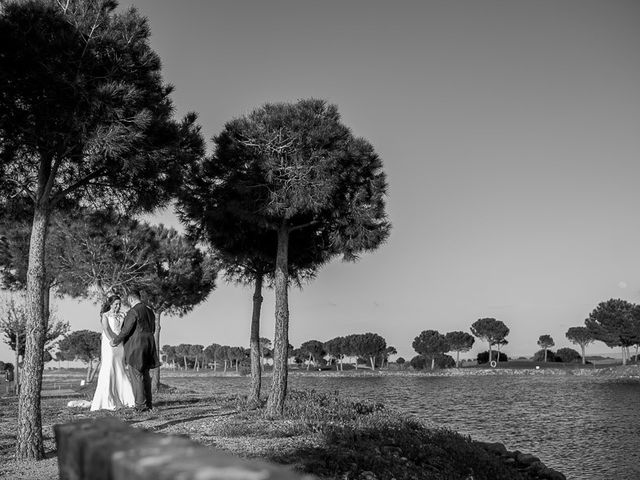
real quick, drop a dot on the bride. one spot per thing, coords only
(114, 388)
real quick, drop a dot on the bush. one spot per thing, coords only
(356, 437)
(445, 361)
(442, 361)
(567, 355)
(483, 357)
(551, 356)
(418, 362)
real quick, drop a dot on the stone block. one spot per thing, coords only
(192, 462)
(71, 439)
(109, 449)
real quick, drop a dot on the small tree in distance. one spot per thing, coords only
(459, 342)
(181, 277)
(13, 324)
(390, 350)
(430, 344)
(616, 323)
(580, 336)
(368, 345)
(546, 342)
(490, 330)
(314, 350)
(83, 345)
(336, 347)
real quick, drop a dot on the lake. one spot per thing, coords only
(586, 427)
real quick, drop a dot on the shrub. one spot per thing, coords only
(445, 361)
(483, 357)
(551, 356)
(418, 362)
(568, 355)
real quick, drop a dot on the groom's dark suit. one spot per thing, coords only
(140, 351)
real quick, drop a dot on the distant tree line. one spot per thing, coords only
(196, 357)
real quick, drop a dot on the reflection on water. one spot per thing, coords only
(585, 427)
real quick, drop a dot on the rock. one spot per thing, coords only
(367, 475)
(537, 468)
(526, 459)
(79, 404)
(496, 448)
(552, 474)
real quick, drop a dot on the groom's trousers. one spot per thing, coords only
(141, 383)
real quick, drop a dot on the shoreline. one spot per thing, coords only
(631, 372)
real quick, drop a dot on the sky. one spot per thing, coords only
(509, 131)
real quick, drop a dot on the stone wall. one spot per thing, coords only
(110, 449)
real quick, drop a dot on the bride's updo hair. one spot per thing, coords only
(106, 306)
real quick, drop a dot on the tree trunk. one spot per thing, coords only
(156, 372)
(545, 355)
(95, 371)
(498, 359)
(275, 404)
(584, 360)
(16, 377)
(309, 362)
(490, 354)
(624, 357)
(29, 444)
(184, 357)
(254, 344)
(433, 362)
(373, 362)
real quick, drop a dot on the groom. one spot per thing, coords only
(139, 348)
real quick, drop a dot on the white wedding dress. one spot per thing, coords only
(114, 388)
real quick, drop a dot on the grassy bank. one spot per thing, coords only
(319, 433)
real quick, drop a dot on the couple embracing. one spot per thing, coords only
(128, 353)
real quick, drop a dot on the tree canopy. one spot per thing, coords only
(13, 325)
(615, 322)
(366, 345)
(430, 344)
(459, 342)
(295, 169)
(580, 336)
(83, 345)
(313, 349)
(491, 331)
(546, 342)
